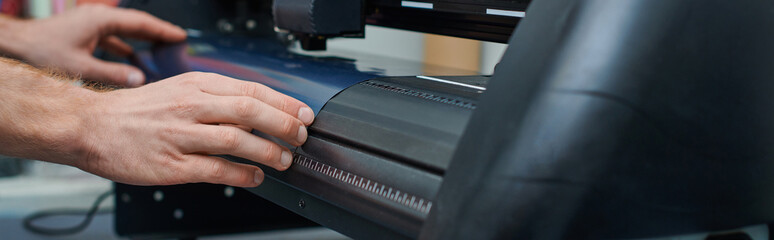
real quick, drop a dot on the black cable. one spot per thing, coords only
(89, 215)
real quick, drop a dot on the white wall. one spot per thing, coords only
(384, 42)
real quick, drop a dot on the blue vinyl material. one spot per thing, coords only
(313, 80)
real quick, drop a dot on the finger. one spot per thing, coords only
(110, 73)
(242, 127)
(234, 87)
(137, 24)
(116, 46)
(212, 139)
(221, 171)
(254, 114)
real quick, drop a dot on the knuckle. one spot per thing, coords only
(216, 170)
(245, 108)
(272, 153)
(248, 89)
(188, 80)
(172, 132)
(191, 76)
(171, 163)
(207, 75)
(289, 127)
(229, 139)
(212, 75)
(184, 106)
(283, 104)
(195, 79)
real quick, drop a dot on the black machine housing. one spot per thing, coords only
(397, 132)
(312, 22)
(604, 119)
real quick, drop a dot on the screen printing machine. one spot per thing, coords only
(624, 119)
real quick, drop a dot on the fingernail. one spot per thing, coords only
(134, 79)
(306, 115)
(286, 159)
(301, 134)
(258, 178)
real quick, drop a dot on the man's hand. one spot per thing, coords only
(67, 41)
(162, 133)
(159, 134)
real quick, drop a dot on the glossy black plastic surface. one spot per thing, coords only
(459, 18)
(376, 156)
(620, 119)
(319, 17)
(192, 210)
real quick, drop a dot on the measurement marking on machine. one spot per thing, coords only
(424, 95)
(405, 199)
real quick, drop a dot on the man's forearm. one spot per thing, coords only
(39, 116)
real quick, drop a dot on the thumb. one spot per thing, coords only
(111, 73)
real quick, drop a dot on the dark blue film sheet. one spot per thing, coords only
(312, 77)
(313, 80)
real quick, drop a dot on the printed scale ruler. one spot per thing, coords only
(395, 195)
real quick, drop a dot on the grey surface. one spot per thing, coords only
(102, 229)
(47, 186)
